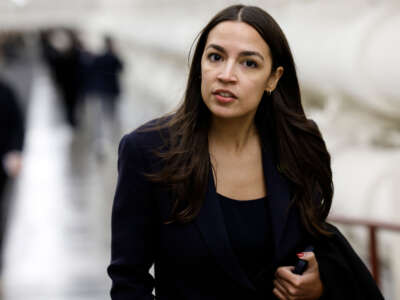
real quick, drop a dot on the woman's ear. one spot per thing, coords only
(273, 79)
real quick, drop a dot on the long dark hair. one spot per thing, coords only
(298, 145)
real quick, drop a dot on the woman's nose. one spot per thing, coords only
(227, 73)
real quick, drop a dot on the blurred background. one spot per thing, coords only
(76, 75)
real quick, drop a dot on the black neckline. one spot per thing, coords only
(241, 201)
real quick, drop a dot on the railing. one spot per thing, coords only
(373, 227)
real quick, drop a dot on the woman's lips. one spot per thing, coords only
(224, 99)
(224, 96)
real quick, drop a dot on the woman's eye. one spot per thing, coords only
(214, 57)
(250, 64)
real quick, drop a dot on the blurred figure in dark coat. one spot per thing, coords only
(11, 144)
(103, 89)
(85, 69)
(106, 70)
(61, 52)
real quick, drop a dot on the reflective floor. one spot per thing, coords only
(58, 240)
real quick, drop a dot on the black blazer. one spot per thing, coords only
(194, 260)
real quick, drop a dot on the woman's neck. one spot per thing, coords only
(232, 134)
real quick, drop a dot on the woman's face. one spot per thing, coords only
(236, 70)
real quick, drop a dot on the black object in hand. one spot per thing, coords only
(301, 265)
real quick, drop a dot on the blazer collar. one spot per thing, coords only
(285, 220)
(286, 231)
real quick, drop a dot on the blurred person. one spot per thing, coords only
(11, 144)
(12, 45)
(48, 51)
(224, 195)
(103, 91)
(107, 68)
(62, 55)
(85, 72)
(17, 70)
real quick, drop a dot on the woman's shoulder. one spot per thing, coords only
(151, 135)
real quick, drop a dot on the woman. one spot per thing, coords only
(221, 195)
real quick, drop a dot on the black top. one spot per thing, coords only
(249, 233)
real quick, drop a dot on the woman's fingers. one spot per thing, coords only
(306, 286)
(280, 286)
(287, 289)
(280, 295)
(311, 260)
(288, 283)
(286, 274)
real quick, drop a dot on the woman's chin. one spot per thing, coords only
(224, 114)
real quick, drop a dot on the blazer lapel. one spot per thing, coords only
(211, 224)
(285, 220)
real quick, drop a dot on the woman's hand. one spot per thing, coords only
(12, 163)
(290, 286)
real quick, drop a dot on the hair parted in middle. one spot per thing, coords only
(280, 120)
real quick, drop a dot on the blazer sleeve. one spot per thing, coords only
(133, 225)
(342, 272)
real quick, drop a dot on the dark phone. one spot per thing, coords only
(301, 265)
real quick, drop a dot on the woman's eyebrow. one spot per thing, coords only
(243, 53)
(251, 53)
(216, 47)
